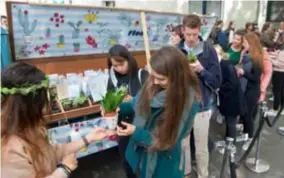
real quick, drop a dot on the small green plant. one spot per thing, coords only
(66, 103)
(79, 101)
(113, 99)
(191, 57)
(52, 93)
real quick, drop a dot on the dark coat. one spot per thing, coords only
(230, 94)
(210, 78)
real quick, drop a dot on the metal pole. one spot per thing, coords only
(256, 164)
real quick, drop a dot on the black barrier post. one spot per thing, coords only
(256, 164)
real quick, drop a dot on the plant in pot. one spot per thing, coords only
(66, 104)
(110, 103)
(192, 58)
(81, 101)
(53, 97)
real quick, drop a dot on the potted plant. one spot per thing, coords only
(192, 58)
(76, 46)
(66, 104)
(48, 33)
(110, 103)
(81, 101)
(76, 28)
(53, 97)
(61, 42)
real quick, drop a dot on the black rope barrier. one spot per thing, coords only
(235, 165)
(276, 118)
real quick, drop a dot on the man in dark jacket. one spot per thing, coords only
(208, 70)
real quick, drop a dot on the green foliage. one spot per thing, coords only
(53, 93)
(66, 102)
(79, 101)
(113, 99)
(191, 57)
(25, 89)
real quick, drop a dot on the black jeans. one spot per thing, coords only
(278, 89)
(122, 146)
(231, 130)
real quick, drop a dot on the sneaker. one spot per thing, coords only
(221, 150)
(242, 138)
(240, 127)
(220, 143)
(281, 130)
(246, 144)
(220, 119)
(272, 112)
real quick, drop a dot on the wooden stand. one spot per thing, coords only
(73, 113)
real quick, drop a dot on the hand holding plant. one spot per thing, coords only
(191, 57)
(110, 104)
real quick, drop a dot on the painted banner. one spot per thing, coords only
(71, 132)
(159, 27)
(45, 31)
(41, 31)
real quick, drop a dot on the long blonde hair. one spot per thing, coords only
(255, 49)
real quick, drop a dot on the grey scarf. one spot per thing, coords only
(158, 101)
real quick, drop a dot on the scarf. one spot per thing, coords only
(158, 101)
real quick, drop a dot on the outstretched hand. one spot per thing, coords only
(99, 134)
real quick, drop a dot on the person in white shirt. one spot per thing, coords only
(230, 31)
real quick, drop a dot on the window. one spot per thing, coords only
(275, 11)
(212, 7)
(110, 3)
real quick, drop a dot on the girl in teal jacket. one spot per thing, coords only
(164, 114)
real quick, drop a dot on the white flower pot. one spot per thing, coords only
(28, 39)
(111, 120)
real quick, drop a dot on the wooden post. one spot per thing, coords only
(146, 39)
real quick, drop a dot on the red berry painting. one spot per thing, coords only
(41, 49)
(91, 41)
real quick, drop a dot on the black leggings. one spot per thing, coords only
(231, 130)
(278, 89)
(251, 97)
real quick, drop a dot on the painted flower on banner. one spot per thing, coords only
(41, 49)
(91, 16)
(204, 21)
(57, 19)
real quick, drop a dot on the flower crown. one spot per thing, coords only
(26, 88)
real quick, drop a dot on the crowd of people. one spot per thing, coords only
(164, 121)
